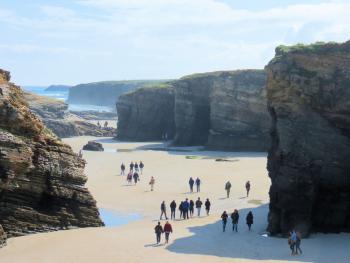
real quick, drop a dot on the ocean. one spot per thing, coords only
(63, 95)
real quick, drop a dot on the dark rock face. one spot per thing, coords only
(41, 179)
(223, 110)
(146, 114)
(104, 93)
(54, 113)
(3, 237)
(309, 100)
(93, 146)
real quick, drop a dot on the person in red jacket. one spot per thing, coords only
(167, 230)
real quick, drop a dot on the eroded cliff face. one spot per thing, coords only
(223, 110)
(308, 93)
(146, 114)
(41, 179)
(55, 115)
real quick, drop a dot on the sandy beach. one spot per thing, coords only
(195, 240)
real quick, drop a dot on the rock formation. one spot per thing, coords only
(3, 237)
(146, 114)
(104, 93)
(308, 94)
(54, 113)
(93, 146)
(223, 110)
(41, 179)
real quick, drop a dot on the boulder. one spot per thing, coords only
(308, 93)
(93, 146)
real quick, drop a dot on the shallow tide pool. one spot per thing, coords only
(112, 218)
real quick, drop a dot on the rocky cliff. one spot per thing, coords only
(308, 94)
(223, 110)
(104, 93)
(41, 179)
(146, 114)
(54, 113)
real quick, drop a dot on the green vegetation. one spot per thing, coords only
(314, 48)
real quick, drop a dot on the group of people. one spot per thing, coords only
(228, 186)
(235, 219)
(133, 174)
(159, 230)
(186, 208)
(191, 182)
(105, 125)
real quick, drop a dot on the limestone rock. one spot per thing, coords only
(146, 114)
(308, 94)
(93, 146)
(223, 110)
(41, 179)
(2, 237)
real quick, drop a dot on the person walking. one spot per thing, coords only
(228, 188)
(129, 177)
(136, 167)
(235, 218)
(141, 165)
(191, 183)
(207, 206)
(292, 241)
(199, 206)
(163, 211)
(250, 219)
(136, 177)
(198, 184)
(224, 217)
(167, 230)
(297, 243)
(152, 182)
(191, 208)
(158, 230)
(247, 187)
(185, 207)
(122, 169)
(181, 209)
(131, 166)
(173, 209)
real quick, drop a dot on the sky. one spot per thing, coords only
(47, 42)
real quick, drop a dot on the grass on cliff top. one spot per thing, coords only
(219, 73)
(154, 86)
(312, 48)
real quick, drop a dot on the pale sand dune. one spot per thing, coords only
(195, 240)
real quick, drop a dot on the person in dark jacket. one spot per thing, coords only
(167, 230)
(247, 187)
(207, 206)
(191, 183)
(163, 211)
(199, 206)
(173, 209)
(141, 166)
(198, 184)
(181, 209)
(224, 217)
(235, 218)
(250, 219)
(131, 166)
(185, 207)
(228, 188)
(136, 167)
(136, 177)
(122, 169)
(158, 230)
(191, 208)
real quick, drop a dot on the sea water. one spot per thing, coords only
(113, 219)
(63, 95)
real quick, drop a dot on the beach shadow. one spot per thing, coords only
(223, 198)
(243, 197)
(124, 185)
(154, 245)
(256, 245)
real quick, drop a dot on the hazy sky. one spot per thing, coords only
(77, 41)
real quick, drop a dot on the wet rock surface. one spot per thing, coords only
(93, 146)
(308, 96)
(41, 178)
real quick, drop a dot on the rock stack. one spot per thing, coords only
(41, 178)
(308, 94)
